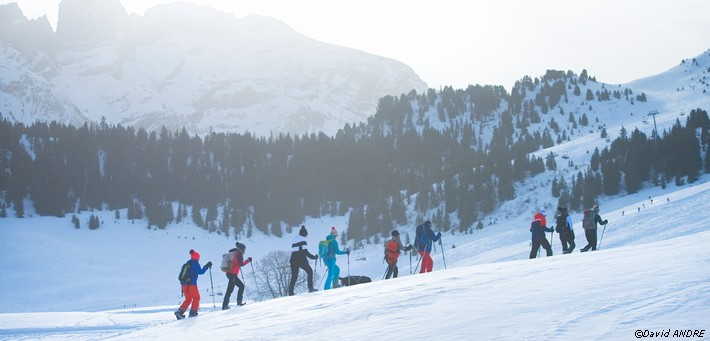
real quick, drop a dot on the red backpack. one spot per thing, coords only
(392, 251)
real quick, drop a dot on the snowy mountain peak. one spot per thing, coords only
(191, 66)
(82, 21)
(24, 35)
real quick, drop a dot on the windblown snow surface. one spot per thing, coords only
(651, 274)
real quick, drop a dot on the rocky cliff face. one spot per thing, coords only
(193, 66)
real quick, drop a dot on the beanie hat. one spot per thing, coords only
(427, 223)
(333, 231)
(194, 255)
(241, 247)
(303, 232)
(543, 211)
(395, 233)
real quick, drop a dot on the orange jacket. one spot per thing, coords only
(542, 219)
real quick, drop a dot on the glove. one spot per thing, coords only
(209, 264)
(438, 235)
(604, 222)
(347, 252)
(249, 259)
(316, 257)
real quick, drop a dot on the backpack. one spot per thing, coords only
(391, 250)
(588, 220)
(227, 261)
(324, 249)
(420, 238)
(562, 226)
(184, 275)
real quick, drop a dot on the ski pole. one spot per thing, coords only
(322, 278)
(214, 305)
(386, 271)
(417, 266)
(600, 239)
(315, 266)
(443, 255)
(348, 267)
(244, 281)
(410, 261)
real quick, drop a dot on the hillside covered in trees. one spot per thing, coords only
(452, 156)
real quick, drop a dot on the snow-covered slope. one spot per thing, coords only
(193, 66)
(649, 275)
(685, 87)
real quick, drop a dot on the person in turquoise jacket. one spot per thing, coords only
(329, 260)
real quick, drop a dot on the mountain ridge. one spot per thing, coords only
(207, 73)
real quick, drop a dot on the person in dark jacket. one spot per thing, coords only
(393, 248)
(565, 230)
(233, 275)
(537, 229)
(299, 253)
(424, 240)
(192, 294)
(591, 233)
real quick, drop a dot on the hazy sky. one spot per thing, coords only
(460, 42)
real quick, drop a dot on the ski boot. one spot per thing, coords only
(241, 303)
(312, 290)
(225, 307)
(179, 314)
(193, 313)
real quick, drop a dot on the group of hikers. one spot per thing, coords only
(328, 249)
(538, 229)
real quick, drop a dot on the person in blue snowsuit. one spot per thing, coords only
(329, 260)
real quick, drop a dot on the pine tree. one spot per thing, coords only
(75, 221)
(20, 208)
(197, 216)
(555, 188)
(550, 162)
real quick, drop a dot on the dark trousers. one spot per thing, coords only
(536, 243)
(233, 280)
(591, 235)
(567, 241)
(294, 275)
(392, 270)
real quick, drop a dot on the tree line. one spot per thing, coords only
(451, 155)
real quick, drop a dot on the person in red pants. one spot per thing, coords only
(423, 241)
(188, 279)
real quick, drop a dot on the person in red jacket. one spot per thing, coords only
(393, 248)
(542, 216)
(233, 275)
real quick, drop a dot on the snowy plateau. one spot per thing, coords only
(189, 66)
(651, 274)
